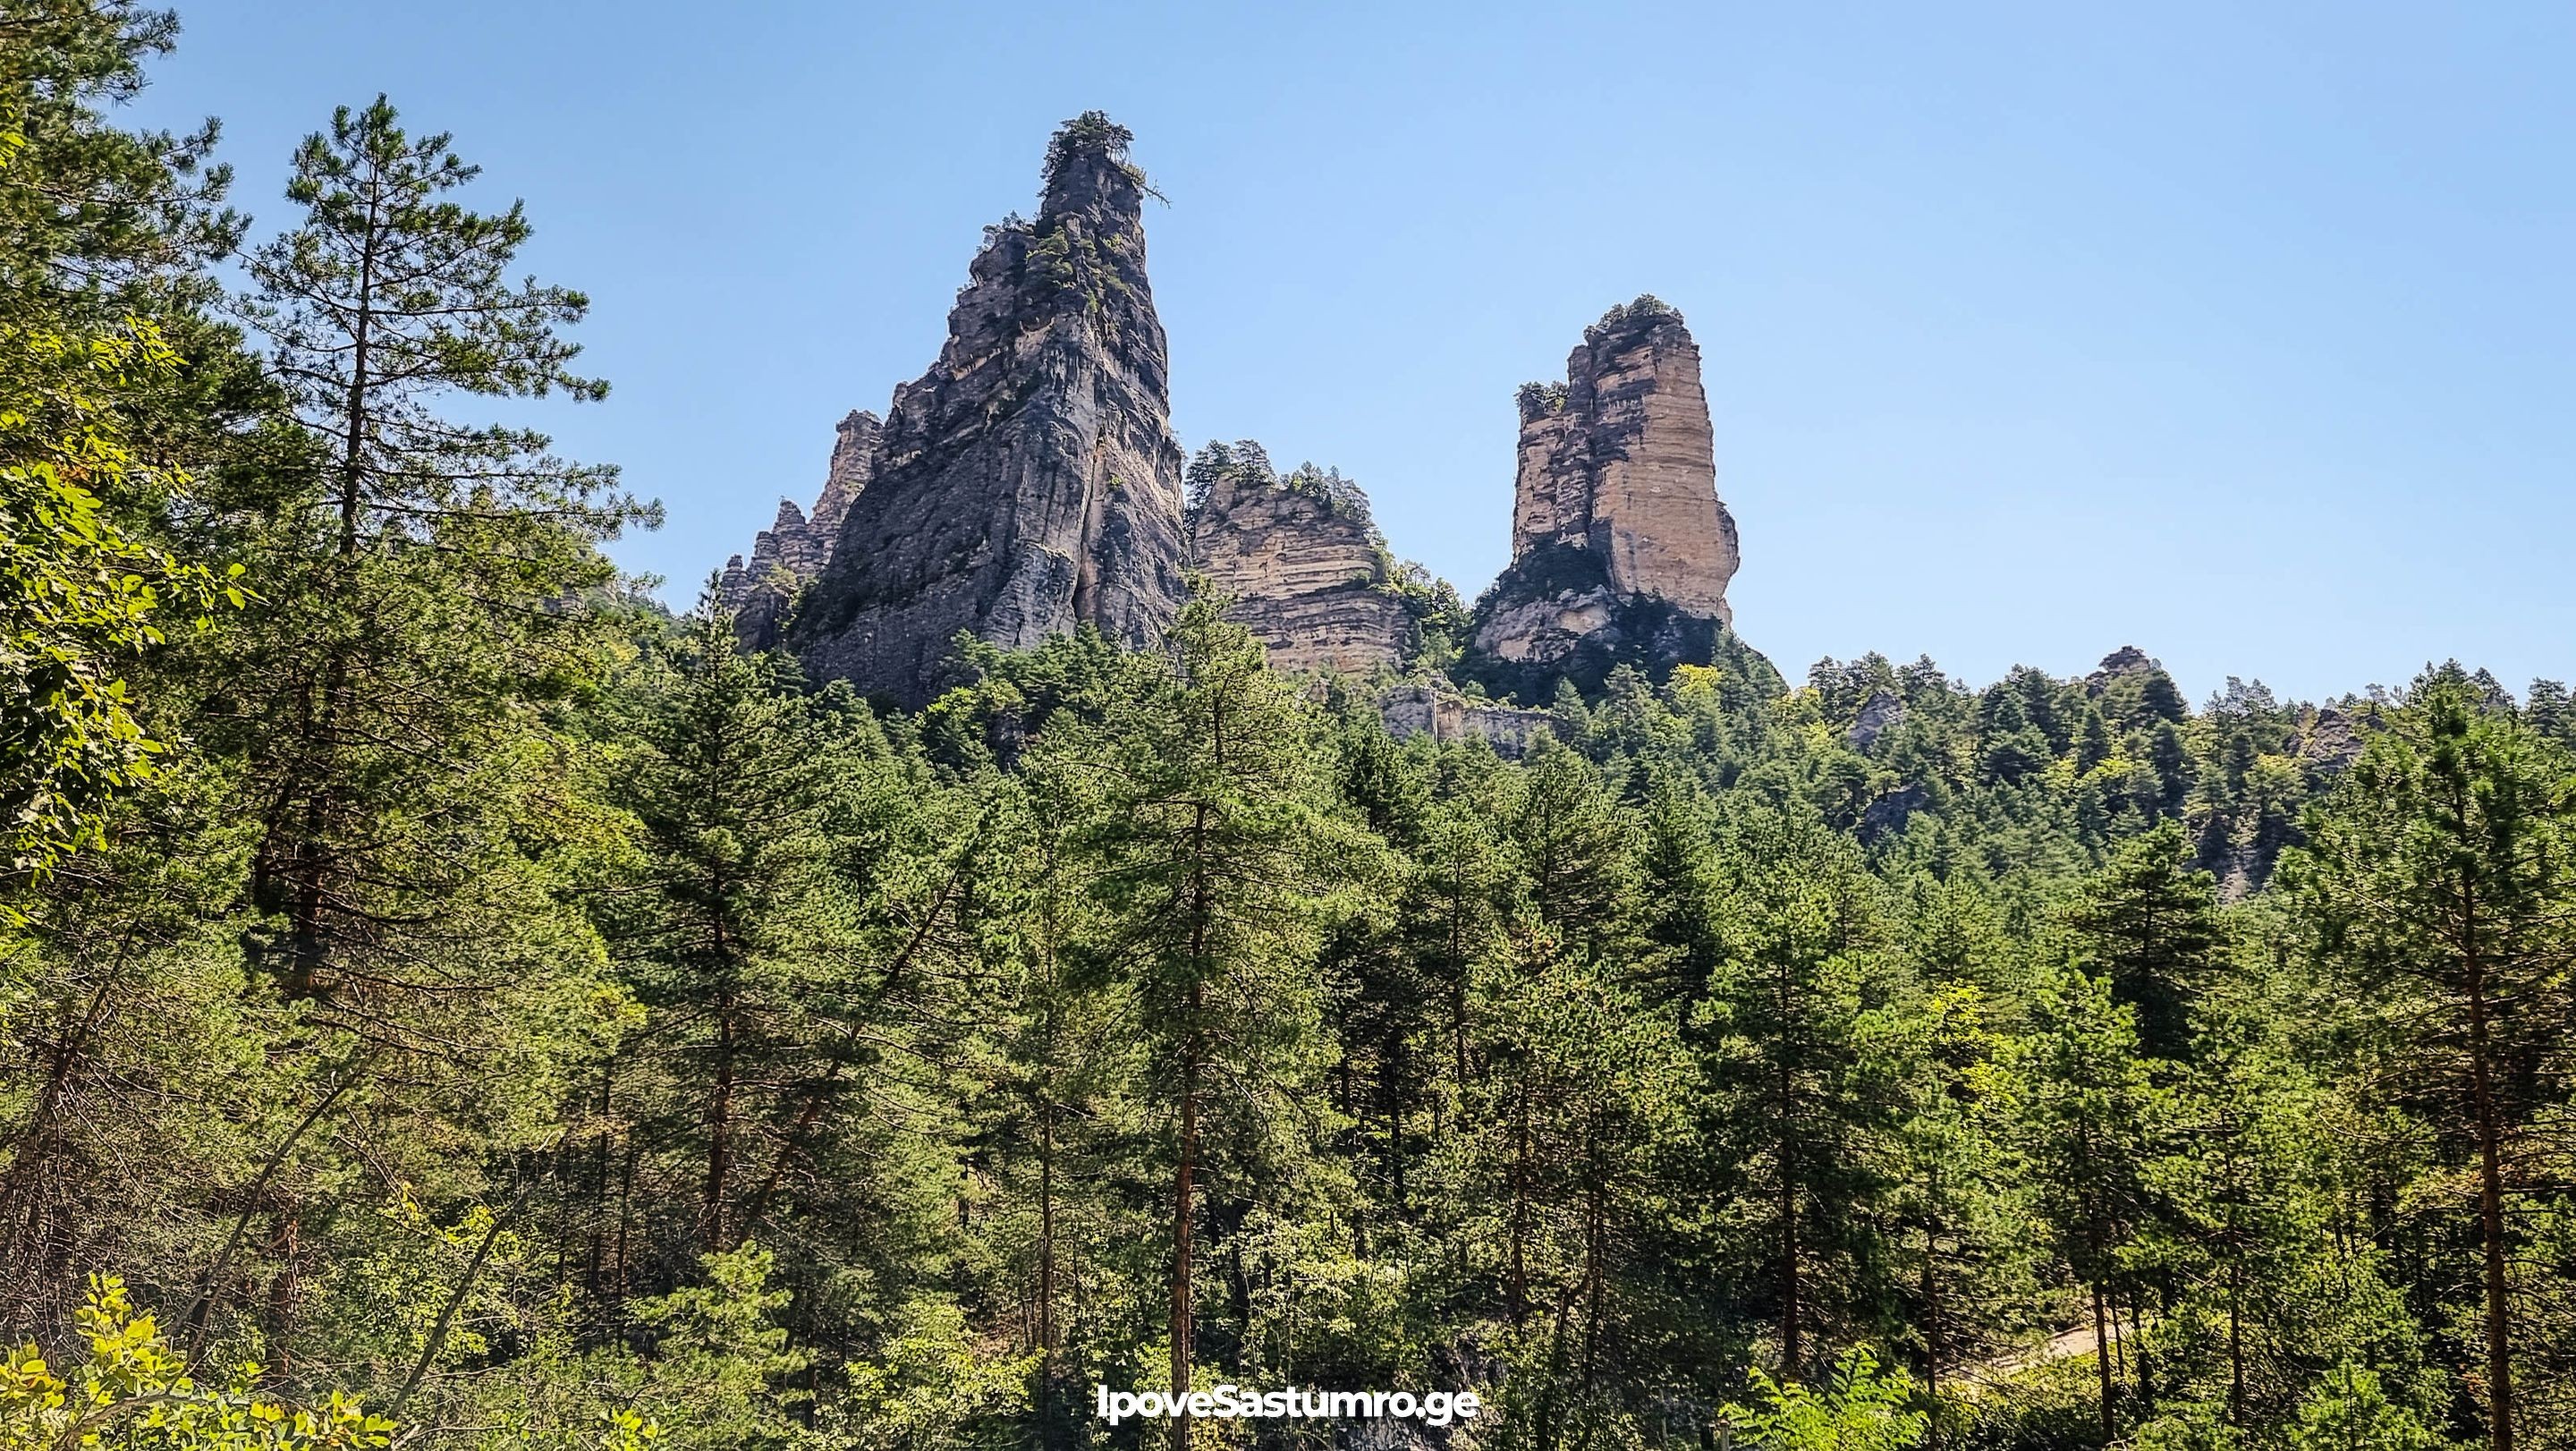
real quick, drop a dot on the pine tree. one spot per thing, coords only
(2083, 1111)
(1800, 1087)
(1579, 1131)
(2438, 879)
(1963, 1218)
(737, 928)
(1209, 847)
(398, 716)
(2149, 922)
(1573, 847)
(432, 564)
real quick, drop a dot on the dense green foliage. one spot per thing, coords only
(505, 1014)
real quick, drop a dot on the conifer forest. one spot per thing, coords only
(451, 998)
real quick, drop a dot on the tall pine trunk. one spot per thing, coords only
(711, 1223)
(1932, 1329)
(1048, 1371)
(1789, 1288)
(1184, 1176)
(1519, 1304)
(2102, 1347)
(2499, 1308)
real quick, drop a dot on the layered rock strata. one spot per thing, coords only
(1621, 548)
(1305, 564)
(1028, 483)
(1620, 460)
(855, 450)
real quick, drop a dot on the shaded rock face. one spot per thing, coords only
(1028, 483)
(1621, 549)
(2332, 740)
(791, 553)
(1307, 568)
(1890, 812)
(854, 463)
(1554, 616)
(2127, 660)
(1881, 713)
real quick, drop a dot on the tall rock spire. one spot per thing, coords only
(854, 462)
(1621, 548)
(790, 554)
(1619, 460)
(1029, 483)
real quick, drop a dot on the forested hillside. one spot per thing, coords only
(448, 999)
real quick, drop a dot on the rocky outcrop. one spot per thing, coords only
(784, 558)
(1890, 812)
(791, 553)
(1442, 713)
(1621, 548)
(854, 462)
(2134, 690)
(1028, 483)
(1881, 713)
(1305, 564)
(2126, 661)
(2331, 740)
(1620, 460)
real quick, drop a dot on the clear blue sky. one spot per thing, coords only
(2030, 331)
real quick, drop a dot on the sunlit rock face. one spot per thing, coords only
(1621, 548)
(1301, 559)
(1029, 482)
(1619, 460)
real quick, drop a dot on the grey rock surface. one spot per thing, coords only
(1438, 710)
(790, 554)
(1879, 714)
(1028, 483)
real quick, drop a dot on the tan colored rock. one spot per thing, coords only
(1440, 712)
(1621, 548)
(1620, 460)
(1304, 562)
(1544, 630)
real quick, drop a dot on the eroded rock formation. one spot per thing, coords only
(790, 554)
(1028, 483)
(1306, 565)
(854, 463)
(1881, 713)
(1619, 460)
(784, 558)
(1621, 549)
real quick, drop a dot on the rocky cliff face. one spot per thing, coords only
(784, 557)
(791, 553)
(1621, 549)
(1305, 563)
(855, 450)
(1619, 460)
(1028, 483)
